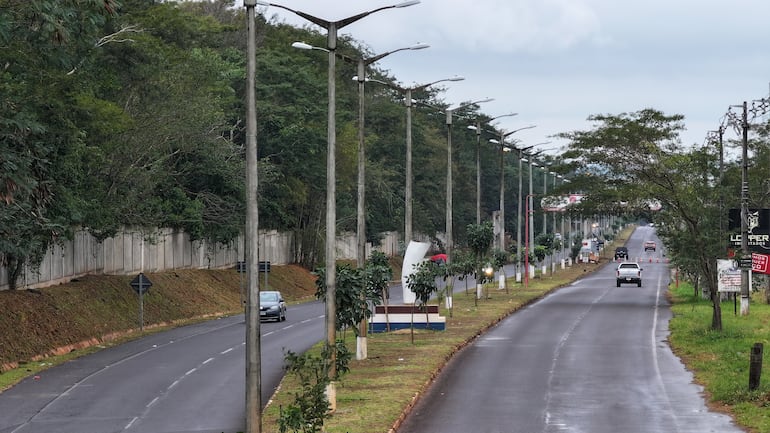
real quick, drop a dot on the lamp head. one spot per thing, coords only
(407, 3)
(419, 46)
(302, 45)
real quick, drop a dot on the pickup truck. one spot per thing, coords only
(629, 272)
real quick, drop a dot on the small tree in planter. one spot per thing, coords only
(378, 274)
(480, 238)
(352, 296)
(463, 266)
(499, 260)
(423, 283)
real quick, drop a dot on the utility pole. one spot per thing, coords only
(253, 351)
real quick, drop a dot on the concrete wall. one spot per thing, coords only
(134, 251)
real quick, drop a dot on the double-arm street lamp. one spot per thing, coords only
(361, 348)
(477, 128)
(408, 201)
(331, 212)
(449, 113)
(501, 141)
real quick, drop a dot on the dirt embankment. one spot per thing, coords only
(99, 308)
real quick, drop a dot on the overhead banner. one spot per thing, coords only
(560, 203)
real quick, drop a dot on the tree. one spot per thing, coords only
(633, 159)
(479, 238)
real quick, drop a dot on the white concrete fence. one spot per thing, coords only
(134, 251)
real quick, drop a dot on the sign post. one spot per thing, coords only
(141, 284)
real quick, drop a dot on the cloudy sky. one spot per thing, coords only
(556, 62)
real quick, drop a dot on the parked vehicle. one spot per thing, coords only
(650, 245)
(272, 306)
(629, 272)
(621, 253)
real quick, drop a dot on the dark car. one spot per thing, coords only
(621, 253)
(272, 306)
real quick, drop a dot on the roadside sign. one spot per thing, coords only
(760, 262)
(745, 263)
(264, 266)
(728, 276)
(141, 284)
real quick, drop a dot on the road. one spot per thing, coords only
(189, 379)
(589, 358)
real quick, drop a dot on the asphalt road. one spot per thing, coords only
(589, 358)
(189, 379)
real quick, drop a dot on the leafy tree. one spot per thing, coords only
(479, 238)
(639, 159)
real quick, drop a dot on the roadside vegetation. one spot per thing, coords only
(720, 360)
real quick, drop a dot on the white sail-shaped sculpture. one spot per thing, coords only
(415, 253)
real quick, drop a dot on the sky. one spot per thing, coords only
(557, 62)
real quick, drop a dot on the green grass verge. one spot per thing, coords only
(720, 360)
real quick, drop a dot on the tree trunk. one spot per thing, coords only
(15, 267)
(710, 276)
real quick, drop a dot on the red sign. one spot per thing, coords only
(759, 263)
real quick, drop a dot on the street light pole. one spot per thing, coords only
(408, 201)
(503, 136)
(251, 238)
(361, 346)
(331, 202)
(478, 161)
(449, 113)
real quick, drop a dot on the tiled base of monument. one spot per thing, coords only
(404, 316)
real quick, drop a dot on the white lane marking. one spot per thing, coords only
(207, 361)
(268, 333)
(225, 351)
(128, 426)
(191, 371)
(154, 400)
(656, 364)
(173, 384)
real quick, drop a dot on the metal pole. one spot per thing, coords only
(545, 191)
(253, 354)
(408, 193)
(530, 203)
(478, 171)
(360, 213)
(449, 186)
(331, 207)
(745, 275)
(502, 193)
(526, 249)
(518, 214)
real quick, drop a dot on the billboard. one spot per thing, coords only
(758, 228)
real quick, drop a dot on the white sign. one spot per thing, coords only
(728, 276)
